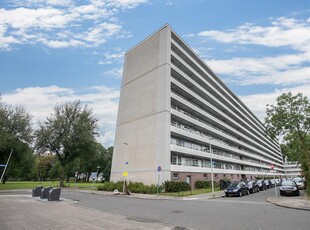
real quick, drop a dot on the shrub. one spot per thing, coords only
(134, 187)
(176, 186)
(111, 186)
(199, 184)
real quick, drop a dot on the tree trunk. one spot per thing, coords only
(61, 177)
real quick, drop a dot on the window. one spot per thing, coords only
(179, 161)
(205, 176)
(205, 163)
(191, 162)
(175, 176)
(215, 176)
(175, 160)
(232, 176)
(224, 175)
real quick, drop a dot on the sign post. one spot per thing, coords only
(125, 174)
(158, 170)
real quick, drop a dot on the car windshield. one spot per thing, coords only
(234, 184)
(297, 180)
(287, 183)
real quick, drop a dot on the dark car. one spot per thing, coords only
(273, 183)
(237, 189)
(261, 184)
(252, 186)
(289, 187)
(268, 183)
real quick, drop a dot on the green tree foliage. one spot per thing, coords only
(16, 135)
(69, 132)
(101, 157)
(44, 165)
(289, 120)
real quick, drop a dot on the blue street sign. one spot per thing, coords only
(158, 168)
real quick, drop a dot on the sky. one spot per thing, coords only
(55, 51)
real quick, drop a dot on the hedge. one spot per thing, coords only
(176, 186)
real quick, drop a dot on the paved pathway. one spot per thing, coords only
(25, 212)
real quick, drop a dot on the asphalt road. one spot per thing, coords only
(229, 213)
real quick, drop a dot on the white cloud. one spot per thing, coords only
(86, 25)
(257, 102)
(282, 69)
(110, 58)
(283, 32)
(40, 101)
(115, 73)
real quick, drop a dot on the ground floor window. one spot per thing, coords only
(175, 176)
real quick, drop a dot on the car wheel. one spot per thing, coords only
(298, 193)
(240, 193)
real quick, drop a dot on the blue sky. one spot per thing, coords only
(55, 51)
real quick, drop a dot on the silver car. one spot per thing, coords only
(299, 182)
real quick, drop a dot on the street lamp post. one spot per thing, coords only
(261, 166)
(126, 163)
(211, 161)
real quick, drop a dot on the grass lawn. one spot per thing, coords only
(31, 184)
(189, 193)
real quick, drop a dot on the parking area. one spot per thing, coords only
(263, 195)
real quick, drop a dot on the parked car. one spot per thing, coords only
(261, 185)
(299, 182)
(289, 187)
(237, 189)
(273, 183)
(268, 183)
(252, 186)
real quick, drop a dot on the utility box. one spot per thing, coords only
(54, 194)
(45, 192)
(37, 191)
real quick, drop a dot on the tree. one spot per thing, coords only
(101, 157)
(289, 120)
(16, 135)
(69, 132)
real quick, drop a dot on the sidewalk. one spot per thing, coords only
(203, 196)
(300, 202)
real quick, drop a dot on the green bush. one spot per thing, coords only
(111, 186)
(176, 186)
(199, 184)
(134, 187)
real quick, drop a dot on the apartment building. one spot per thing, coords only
(292, 169)
(176, 116)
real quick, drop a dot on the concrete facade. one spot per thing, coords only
(174, 112)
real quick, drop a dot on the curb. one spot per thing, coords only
(269, 200)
